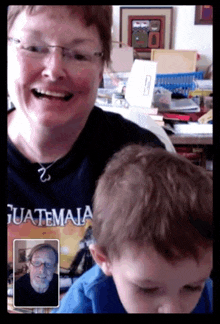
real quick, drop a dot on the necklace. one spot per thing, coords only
(44, 169)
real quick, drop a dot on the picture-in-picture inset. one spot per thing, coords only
(36, 265)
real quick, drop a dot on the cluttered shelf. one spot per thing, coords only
(177, 107)
(196, 147)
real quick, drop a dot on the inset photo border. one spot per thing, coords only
(42, 282)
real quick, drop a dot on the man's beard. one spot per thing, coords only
(40, 287)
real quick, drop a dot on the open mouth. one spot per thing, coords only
(40, 94)
(41, 278)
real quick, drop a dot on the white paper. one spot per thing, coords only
(193, 128)
(141, 82)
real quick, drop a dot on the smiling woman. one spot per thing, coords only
(42, 82)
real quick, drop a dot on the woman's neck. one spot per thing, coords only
(40, 144)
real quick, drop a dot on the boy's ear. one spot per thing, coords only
(101, 259)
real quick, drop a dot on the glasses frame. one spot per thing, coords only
(44, 263)
(18, 41)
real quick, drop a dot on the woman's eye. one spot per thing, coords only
(148, 290)
(81, 57)
(193, 289)
(36, 49)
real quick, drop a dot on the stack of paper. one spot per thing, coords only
(193, 128)
(185, 105)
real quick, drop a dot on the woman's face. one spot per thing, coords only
(72, 86)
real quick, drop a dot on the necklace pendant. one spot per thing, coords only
(42, 176)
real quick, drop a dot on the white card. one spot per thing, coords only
(141, 82)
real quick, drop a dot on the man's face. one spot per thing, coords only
(28, 76)
(41, 276)
(147, 283)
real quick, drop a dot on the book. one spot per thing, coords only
(185, 105)
(156, 117)
(191, 153)
(206, 117)
(160, 122)
(176, 117)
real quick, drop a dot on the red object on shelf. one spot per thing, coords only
(176, 117)
(191, 155)
(183, 149)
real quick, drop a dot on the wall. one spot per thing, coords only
(186, 35)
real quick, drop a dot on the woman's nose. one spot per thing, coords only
(170, 307)
(54, 66)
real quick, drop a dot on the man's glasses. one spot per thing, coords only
(38, 264)
(79, 56)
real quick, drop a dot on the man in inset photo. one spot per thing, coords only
(39, 287)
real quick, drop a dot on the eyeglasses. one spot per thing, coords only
(38, 264)
(37, 51)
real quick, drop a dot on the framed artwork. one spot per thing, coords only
(146, 28)
(204, 15)
(22, 255)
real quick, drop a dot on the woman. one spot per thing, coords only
(58, 142)
(53, 97)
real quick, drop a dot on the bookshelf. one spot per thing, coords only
(200, 143)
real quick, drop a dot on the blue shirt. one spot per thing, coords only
(94, 292)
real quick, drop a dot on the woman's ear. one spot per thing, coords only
(101, 259)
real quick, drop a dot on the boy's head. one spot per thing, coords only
(152, 221)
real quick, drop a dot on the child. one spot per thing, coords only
(152, 223)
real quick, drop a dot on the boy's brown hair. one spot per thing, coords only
(100, 16)
(150, 196)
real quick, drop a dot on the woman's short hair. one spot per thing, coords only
(42, 246)
(100, 16)
(148, 196)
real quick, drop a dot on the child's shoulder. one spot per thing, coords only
(100, 291)
(87, 293)
(92, 277)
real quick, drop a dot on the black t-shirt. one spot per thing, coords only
(73, 178)
(25, 295)
(62, 207)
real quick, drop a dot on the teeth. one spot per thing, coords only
(39, 93)
(51, 93)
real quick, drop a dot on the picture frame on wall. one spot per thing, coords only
(204, 15)
(146, 28)
(23, 254)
